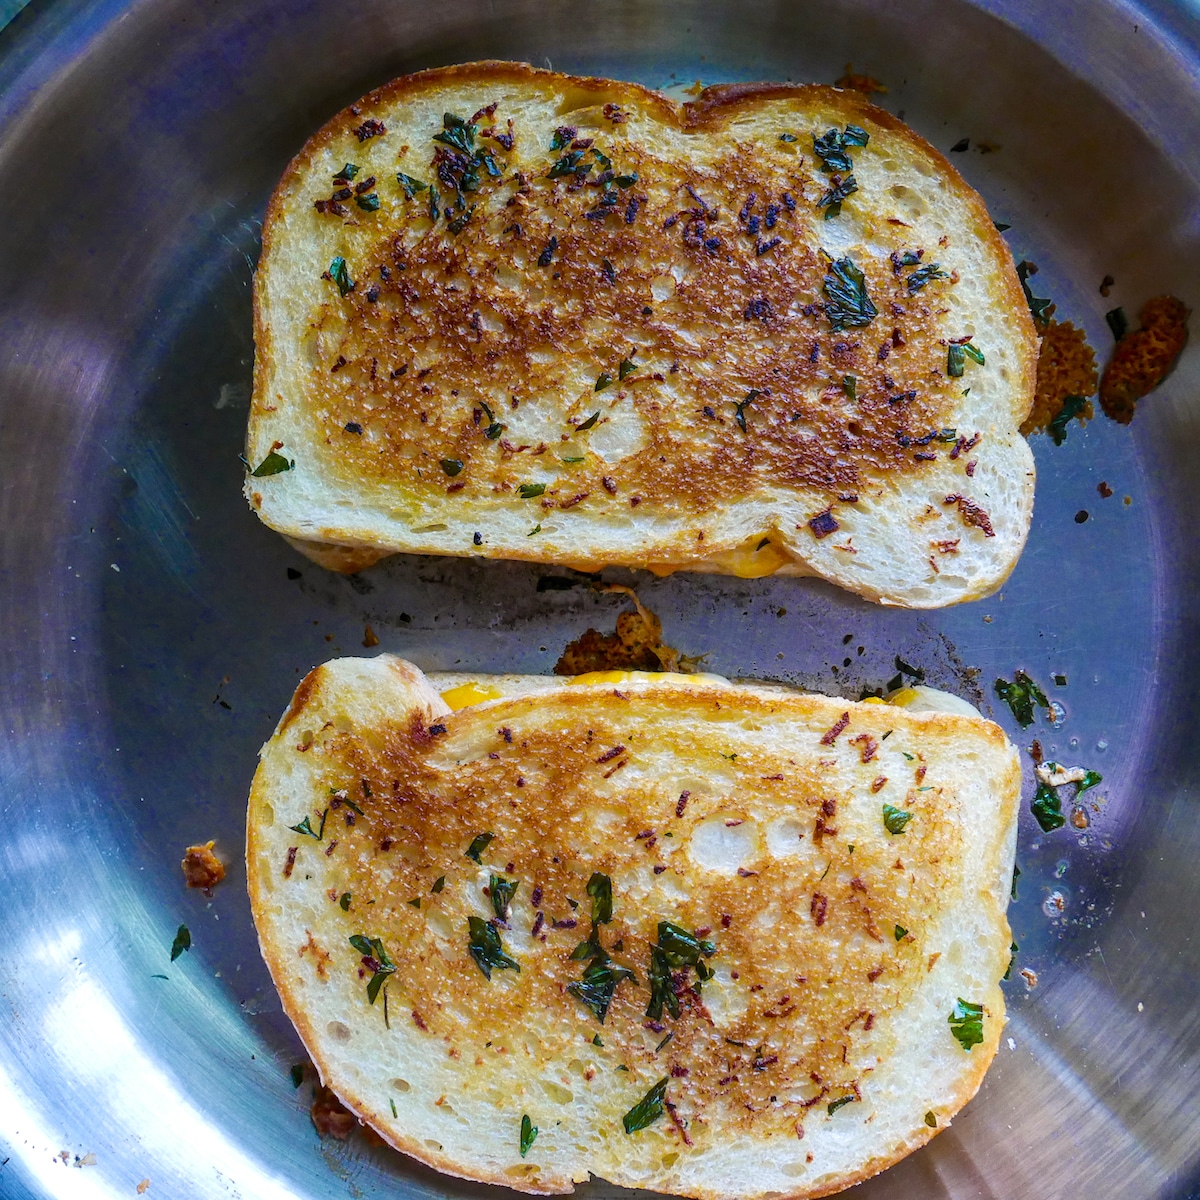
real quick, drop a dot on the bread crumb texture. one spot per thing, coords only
(800, 1056)
(506, 312)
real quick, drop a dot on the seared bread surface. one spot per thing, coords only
(613, 329)
(817, 1050)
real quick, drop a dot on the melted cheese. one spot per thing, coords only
(467, 694)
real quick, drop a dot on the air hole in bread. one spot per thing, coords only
(662, 287)
(268, 814)
(338, 1031)
(433, 1145)
(717, 845)
(401, 1085)
(579, 103)
(556, 1092)
(430, 528)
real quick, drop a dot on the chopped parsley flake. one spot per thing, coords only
(377, 959)
(850, 386)
(923, 275)
(273, 464)
(438, 884)
(600, 978)
(1020, 696)
(626, 368)
(347, 172)
(410, 185)
(306, 828)
(847, 303)
(487, 949)
(588, 423)
(1072, 406)
(931, 1120)
(676, 949)
(494, 428)
(529, 1132)
(840, 1102)
(182, 942)
(457, 133)
(528, 491)
(369, 203)
(452, 466)
(602, 381)
(502, 891)
(1118, 322)
(648, 1109)
(340, 275)
(740, 407)
(297, 1075)
(344, 901)
(830, 148)
(1047, 808)
(956, 356)
(901, 933)
(966, 1023)
(1039, 308)
(895, 819)
(478, 845)
(599, 887)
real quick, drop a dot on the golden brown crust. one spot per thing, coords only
(398, 760)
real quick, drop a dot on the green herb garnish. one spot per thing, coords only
(1012, 958)
(599, 887)
(569, 164)
(372, 949)
(840, 1102)
(457, 133)
(901, 933)
(600, 978)
(434, 210)
(502, 891)
(478, 845)
(1016, 876)
(368, 203)
(1090, 779)
(588, 423)
(841, 189)
(494, 429)
(956, 356)
(487, 949)
(182, 942)
(452, 466)
(966, 1023)
(831, 148)
(528, 491)
(648, 1109)
(1072, 406)
(922, 275)
(894, 819)
(529, 1132)
(347, 172)
(438, 884)
(850, 386)
(1047, 808)
(676, 948)
(931, 1120)
(306, 828)
(626, 368)
(410, 185)
(847, 303)
(602, 381)
(740, 407)
(1020, 696)
(340, 275)
(597, 1042)
(273, 464)
(787, 137)
(626, 181)
(459, 223)
(393, 1104)
(1039, 308)
(344, 901)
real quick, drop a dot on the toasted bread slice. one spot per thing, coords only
(506, 312)
(795, 960)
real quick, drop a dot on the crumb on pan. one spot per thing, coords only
(1066, 367)
(1142, 360)
(201, 867)
(330, 1117)
(867, 84)
(636, 645)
